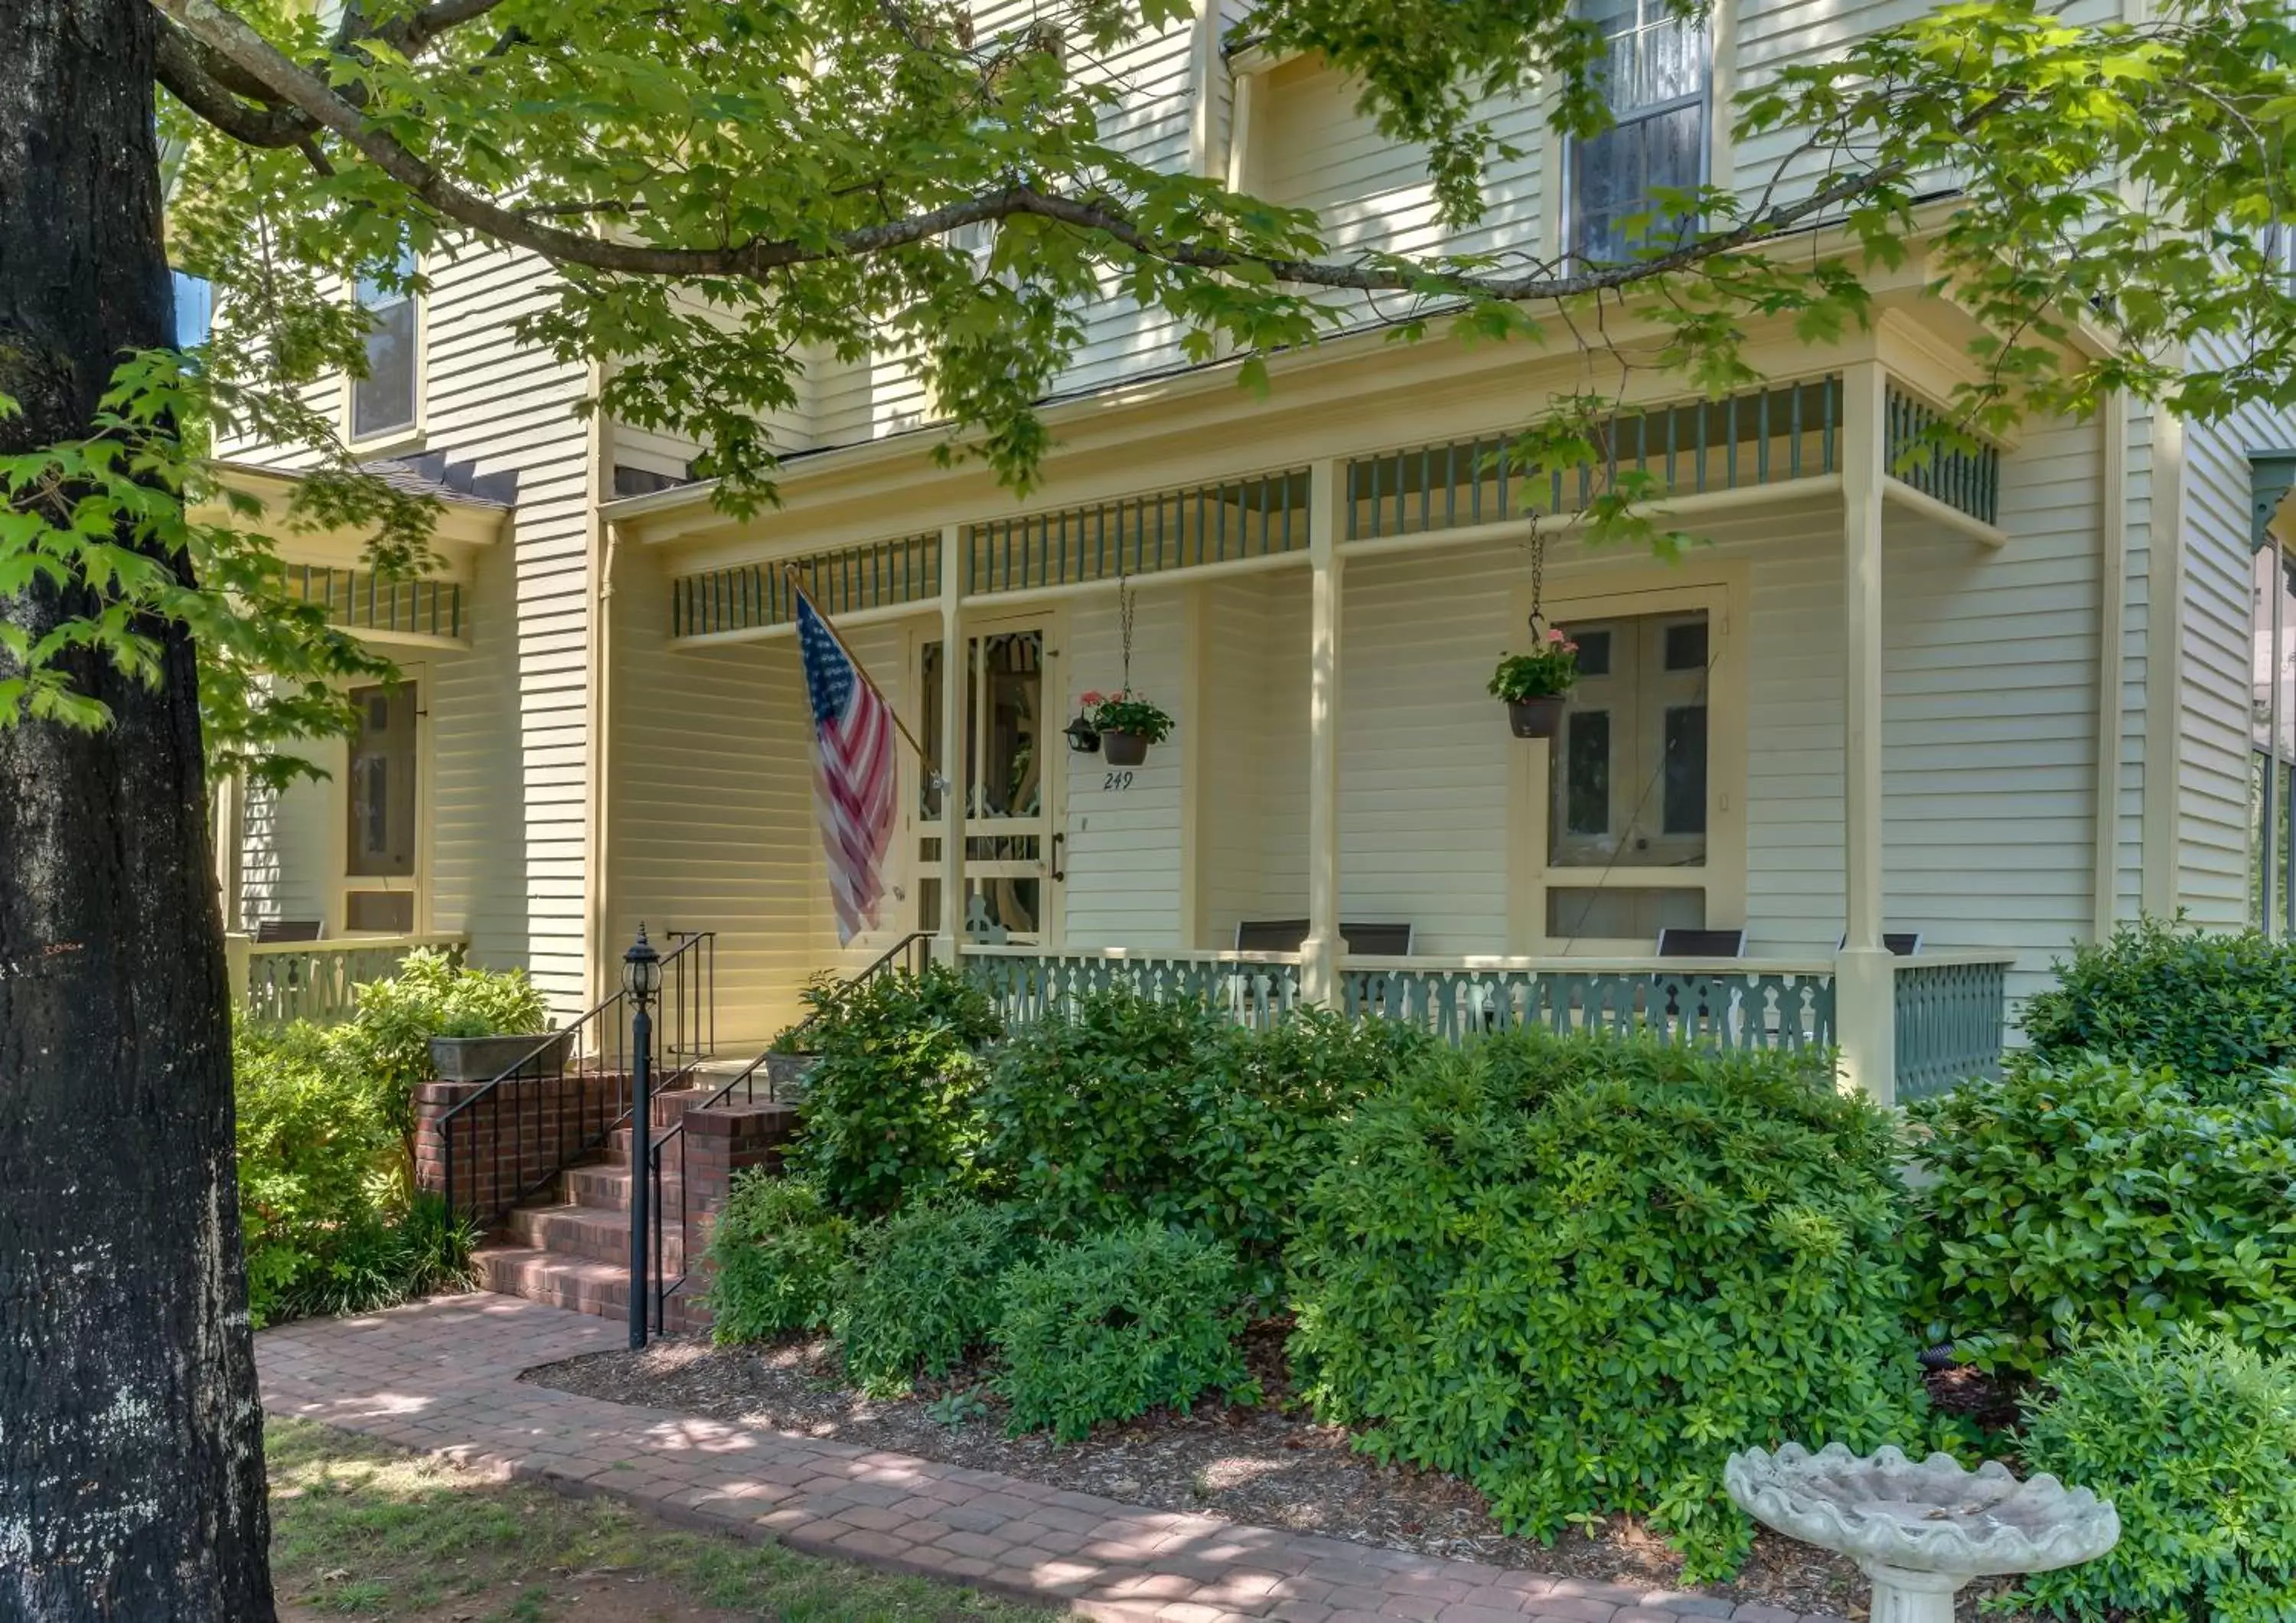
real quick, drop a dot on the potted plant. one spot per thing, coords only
(1125, 724)
(471, 1047)
(1533, 685)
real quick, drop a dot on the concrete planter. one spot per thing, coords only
(786, 1074)
(483, 1058)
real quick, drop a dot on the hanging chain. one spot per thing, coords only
(1538, 578)
(1125, 600)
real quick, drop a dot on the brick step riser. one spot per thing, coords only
(604, 1299)
(608, 1186)
(561, 1235)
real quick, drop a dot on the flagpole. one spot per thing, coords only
(859, 670)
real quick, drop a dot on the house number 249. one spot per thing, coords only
(1116, 782)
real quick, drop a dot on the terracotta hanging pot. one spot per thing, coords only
(1535, 716)
(1124, 749)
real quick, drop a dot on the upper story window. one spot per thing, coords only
(383, 400)
(1658, 81)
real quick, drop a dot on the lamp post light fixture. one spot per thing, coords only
(641, 983)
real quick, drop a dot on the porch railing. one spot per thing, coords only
(276, 982)
(1254, 989)
(1951, 1010)
(1725, 1003)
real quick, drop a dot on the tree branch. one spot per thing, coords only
(180, 68)
(303, 91)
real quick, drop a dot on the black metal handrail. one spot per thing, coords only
(569, 1093)
(911, 955)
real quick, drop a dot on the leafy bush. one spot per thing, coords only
(775, 1251)
(1262, 1125)
(380, 1263)
(1579, 1272)
(921, 1291)
(1116, 1324)
(324, 1213)
(314, 1142)
(1087, 1118)
(2192, 1436)
(2092, 1196)
(1132, 1109)
(889, 1106)
(2206, 1007)
(432, 996)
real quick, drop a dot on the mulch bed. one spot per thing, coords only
(1269, 1466)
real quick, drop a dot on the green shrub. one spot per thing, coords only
(316, 1144)
(2192, 1436)
(1579, 1272)
(1131, 1108)
(1089, 1117)
(432, 996)
(1116, 1324)
(380, 1261)
(2206, 1007)
(324, 1210)
(2091, 1195)
(921, 1291)
(775, 1252)
(1263, 1126)
(890, 1109)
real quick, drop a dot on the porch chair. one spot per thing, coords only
(1905, 944)
(1676, 941)
(1288, 934)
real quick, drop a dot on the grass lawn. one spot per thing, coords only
(361, 1529)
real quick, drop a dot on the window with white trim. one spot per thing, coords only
(382, 402)
(1658, 81)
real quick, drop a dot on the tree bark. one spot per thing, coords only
(131, 1469)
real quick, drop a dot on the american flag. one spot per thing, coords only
(853, 776)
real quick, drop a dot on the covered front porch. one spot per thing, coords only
(1699, 850)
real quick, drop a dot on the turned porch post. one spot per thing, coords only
(1865, 975)
(1320, 954)
(955, 676)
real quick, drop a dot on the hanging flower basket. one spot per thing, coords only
(1533, 685)
(1535, 716)
(1124, 725)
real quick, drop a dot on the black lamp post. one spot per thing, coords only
(642, 981)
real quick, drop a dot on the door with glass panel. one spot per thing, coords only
(1629, 798)
(1006, 772)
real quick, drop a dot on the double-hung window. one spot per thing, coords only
(382, 402)
(1657, 80)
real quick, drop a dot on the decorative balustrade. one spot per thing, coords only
(1951, 1007)
(362, 600)
(275, 982)
(1254, 989)
(1950, 1013)
(1724, 1003)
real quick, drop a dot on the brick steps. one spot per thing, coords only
(569, 1247)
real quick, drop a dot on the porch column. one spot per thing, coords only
(1864, 978)
(1322, 952)
(953, 684)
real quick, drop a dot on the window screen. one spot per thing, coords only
(382, 799)
(1656, 80)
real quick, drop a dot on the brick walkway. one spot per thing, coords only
(441, 1376)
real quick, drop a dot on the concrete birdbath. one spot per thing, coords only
(1920, 1530)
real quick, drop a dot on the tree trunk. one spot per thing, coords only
(131, 1466)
